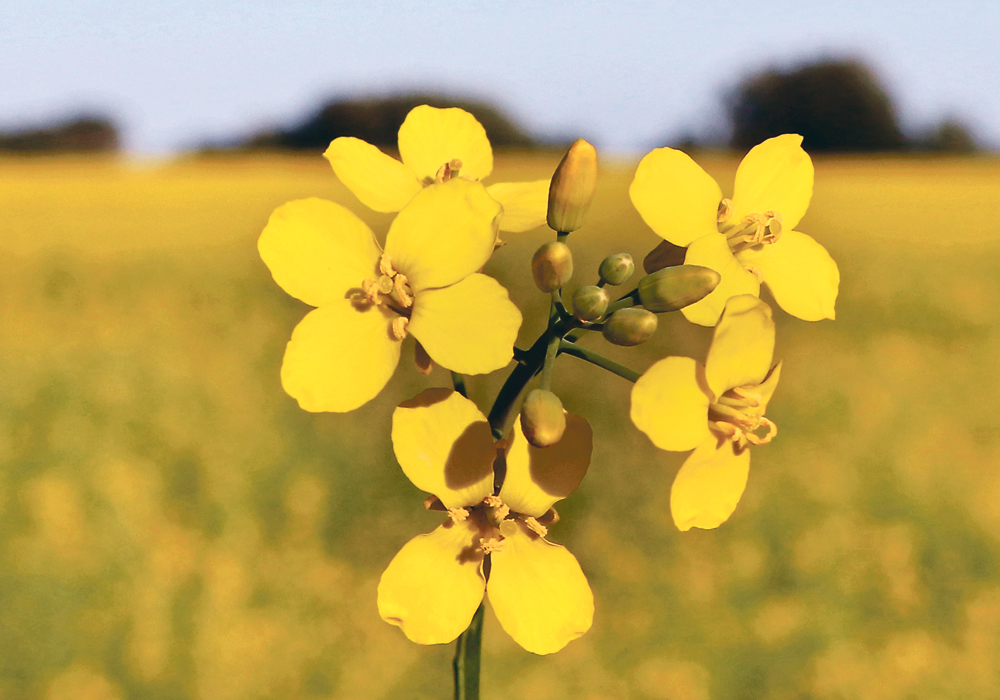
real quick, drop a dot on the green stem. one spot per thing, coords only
(627, 301)
(551, 350)
(467, 654)
(599, 360)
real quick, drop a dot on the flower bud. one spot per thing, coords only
(663, 255)
(616, 269)
(552, 266)
(543, 419)
(629, 327)
(590, 303)
(572, 187)
(673, 288)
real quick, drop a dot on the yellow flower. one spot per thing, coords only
(490, 543)
(425, 284)
(434, 145)
(716, 409)
(684, 205)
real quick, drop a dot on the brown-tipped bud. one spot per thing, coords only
(673, 288)
(552, 266)
(629, 327)
(664, 255)
(572, 187)
(616, 269)
(543, 419)
(590, 303)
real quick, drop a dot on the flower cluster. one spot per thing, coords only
(497, 478)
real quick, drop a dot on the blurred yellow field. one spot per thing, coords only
(173, 526)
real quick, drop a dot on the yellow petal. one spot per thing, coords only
(339, 358)
(433, 586)
(538, 592)
(317, 250)
(469, 327)
(712, 251)
(742, 346)
(431, 137)
(709, 485)
(767, 387)
(445, 447)
(801, 275)
(444, 234)
(525, 204)
(670, 404)
(776, 175)
(538, 477)
(675, 197)
(380, 181)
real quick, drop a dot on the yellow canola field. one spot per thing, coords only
(173, 526)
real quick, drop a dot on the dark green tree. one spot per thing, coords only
(834, 105)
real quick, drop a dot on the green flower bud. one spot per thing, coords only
(663, 255)
(629, 327)
(572, 187)
(552, 266)
(673, 288)
(616, 269)
(590, 303)
(543, 419)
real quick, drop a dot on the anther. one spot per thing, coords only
(490, 544)
(385, 265)
(403, 291)
(536, 526)
(772, 430)
(725, 207)
(499, 513)
(371, 291)
(399, 327)
(493, 501)
(458, 515)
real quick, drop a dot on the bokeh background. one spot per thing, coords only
(172, 526)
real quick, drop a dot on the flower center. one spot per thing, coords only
(752, 230)
(738, 414)
(445, 172)
(389, 289)
(496, 522)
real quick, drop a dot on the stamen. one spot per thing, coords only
(458, 515)
(493, 501)
(385, 265)
(371, 291)
(772, 430)
(403, 291)
(535, 526)
(499, 513)
(725, 207)
(490, 545)
(399, 325)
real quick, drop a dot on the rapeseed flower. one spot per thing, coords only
(716, 409)
(434, 145)
(424, 283)
(490, 544)
(748, 239)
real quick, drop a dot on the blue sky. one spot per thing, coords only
(627, 75)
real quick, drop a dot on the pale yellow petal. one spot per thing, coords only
(317, 250)
(431, 137)
(801, 275)
(742, 346)
(538, 477)
(538, 592)
(709, 485)
(339, 358)
(766, 389)
(776, 175)
(713, 252)
(675, 197)
(380, 181)
(670, 404)
(433, 586)
(525, 204)
(469, 327)
(444, 445)
(444, 234)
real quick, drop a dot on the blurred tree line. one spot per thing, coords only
(837, 106)
(81, 134)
